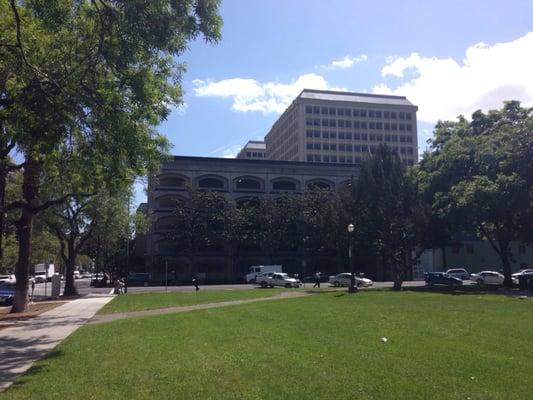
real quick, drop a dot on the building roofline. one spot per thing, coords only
(259, 162)
(382, 96)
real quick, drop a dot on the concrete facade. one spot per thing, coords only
(343, 127)
(253, 150)
(241, 179)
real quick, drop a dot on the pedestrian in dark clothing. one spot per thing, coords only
(317, 280)
(195, 283)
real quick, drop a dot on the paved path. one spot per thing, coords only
(159, 311)
(32, 339)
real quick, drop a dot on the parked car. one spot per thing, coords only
(487, 278)
(97, 279)
(77, 275)
(40, 277)
(515, 276)
(7, 278)
(7, 293)
(344, 279)
(442, 278)
(460, 273)
(85, 275)
(261, 279)
(138, 279)
(280, 279)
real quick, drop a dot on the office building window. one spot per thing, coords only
(357, 149)
(341, 123)
(342, 147)
(349, 136)
(393, 114)
(387, 138)
(317, 146)
(401, 115)
(410, 150)
(309, 157)
(379, 125)
(332, 111)
(333, 147)
(341, 135)
(248, 154)
(408, 127)
(386, 114)
(349, 160)
(378, 114)
(357, 160)
(309, 122)
(348, 112)
(316, 122)
(348, 123)
(333, 158)
(394, 127)
(408, 116)
(333, 135)
(356, 124)
(325, 146)
(325, 134)
(325, 122)
(308, 109)
(316, 110)
(364, 148)
(317, 158)
(342, 159)
(326, 158)
(349, 147)
(402, 127)
(363, 125)
(371, 125)
(402, 139)
(316, 134)
(371, 114)
(309, 146)
(387, 126)
(379, 138)
(409, 139)
(340, 111)
(332, 123)
(356, 136)
(324, 111)
(372, 137)
(355, 112)
(394, 138)
(364, 136)
(402, 150)
(309, 133)
(362, 113)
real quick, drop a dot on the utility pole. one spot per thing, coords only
(127, 246)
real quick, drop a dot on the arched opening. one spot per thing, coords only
(248, 183)
(319, 184)
(284, 184)
(172, 180)
(211, 182)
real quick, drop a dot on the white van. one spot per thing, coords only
(260, 269)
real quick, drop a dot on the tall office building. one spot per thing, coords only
(342, 127)
(253, 150)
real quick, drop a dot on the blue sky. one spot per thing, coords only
(447, 57)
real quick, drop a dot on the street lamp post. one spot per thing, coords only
(353, 286)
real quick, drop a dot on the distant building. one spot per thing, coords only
(253, 150)
(343, 127)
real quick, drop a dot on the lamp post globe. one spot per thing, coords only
(353, 287)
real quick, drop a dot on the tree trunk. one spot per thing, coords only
(70, 288)
(504, 256)
(3, 178)
(398, 279)
(30, 188)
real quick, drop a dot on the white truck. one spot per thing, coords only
(272, 279)
(44, 272)
(255, 270)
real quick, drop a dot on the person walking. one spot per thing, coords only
(195, 283)
(317, 280)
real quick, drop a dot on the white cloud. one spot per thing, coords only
(346, 62)
(251, 95)
(444, 88)
(227, 151)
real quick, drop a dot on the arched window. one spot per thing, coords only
(320, 184)
(172, 180)
(211, 182)
(247, 183)
(284, 184)
(169, 202)
(166, 224)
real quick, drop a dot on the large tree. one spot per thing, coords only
(82, 85)
(479, 173)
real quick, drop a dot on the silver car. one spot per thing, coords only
(343, 279)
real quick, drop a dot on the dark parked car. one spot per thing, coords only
(138, 279)
(7, 293)
(442, 278)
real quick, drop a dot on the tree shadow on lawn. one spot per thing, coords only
(462, 290)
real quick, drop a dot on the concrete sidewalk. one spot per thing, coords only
(32, 339)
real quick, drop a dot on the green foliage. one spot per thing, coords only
(478, 174)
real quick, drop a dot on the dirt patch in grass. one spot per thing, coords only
(35, 309)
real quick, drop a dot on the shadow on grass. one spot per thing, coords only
(461, 290)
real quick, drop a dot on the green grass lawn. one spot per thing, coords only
(151, 300)
(324, 346)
